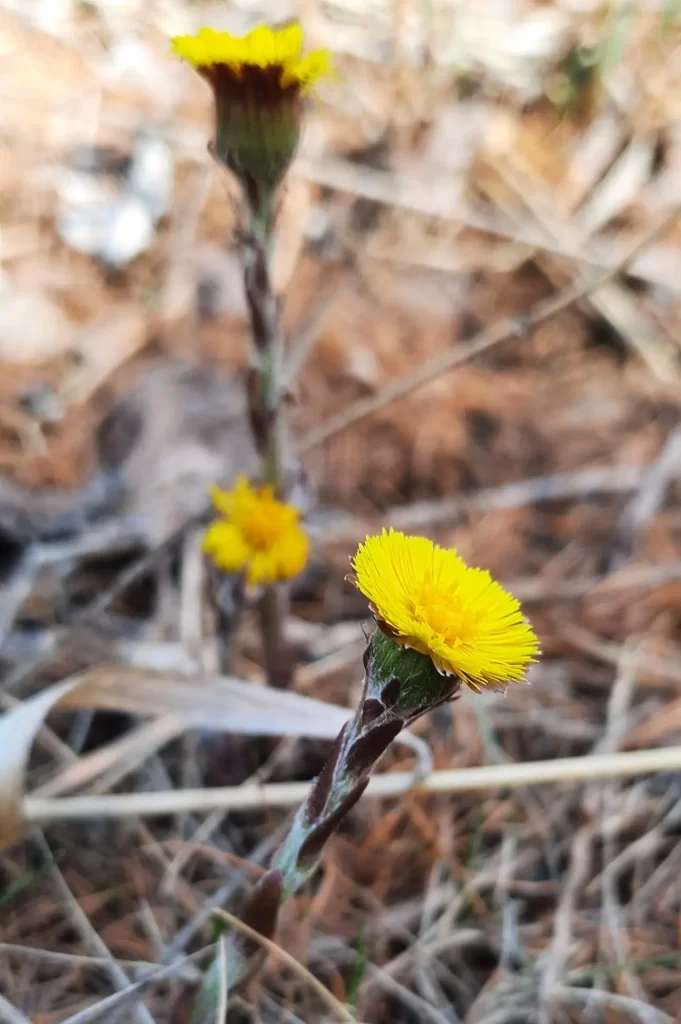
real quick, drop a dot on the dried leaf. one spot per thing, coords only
(619, 188)
(32, 327)
(228, 705)
(104, 347)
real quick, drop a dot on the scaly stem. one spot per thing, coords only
(359, 745)
(400, 685)
(264, 395)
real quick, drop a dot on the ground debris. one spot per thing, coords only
(467, 166)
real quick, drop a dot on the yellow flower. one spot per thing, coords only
(257, 534)
(258, 81)
(268, 49)
(425, 597)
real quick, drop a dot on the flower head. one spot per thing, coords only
(426, 598)
(258, 81)
(256, 534)
(279, 51)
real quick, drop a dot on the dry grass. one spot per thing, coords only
(501, 204)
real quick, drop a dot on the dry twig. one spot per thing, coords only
(89, 934)
(287, 794)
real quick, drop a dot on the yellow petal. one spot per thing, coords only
(289, 43)
(262, 568)
(310, 69)
(223, 501)
(293, 550)
(226, 546)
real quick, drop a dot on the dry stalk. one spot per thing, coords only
(333, 1004)
(288, 794)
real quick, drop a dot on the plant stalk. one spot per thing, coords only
(265, 406)
(399, 686)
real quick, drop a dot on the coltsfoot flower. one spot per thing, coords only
(258, 81)
(256, 534)
(426, 598)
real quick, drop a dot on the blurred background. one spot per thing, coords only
(485, 208)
